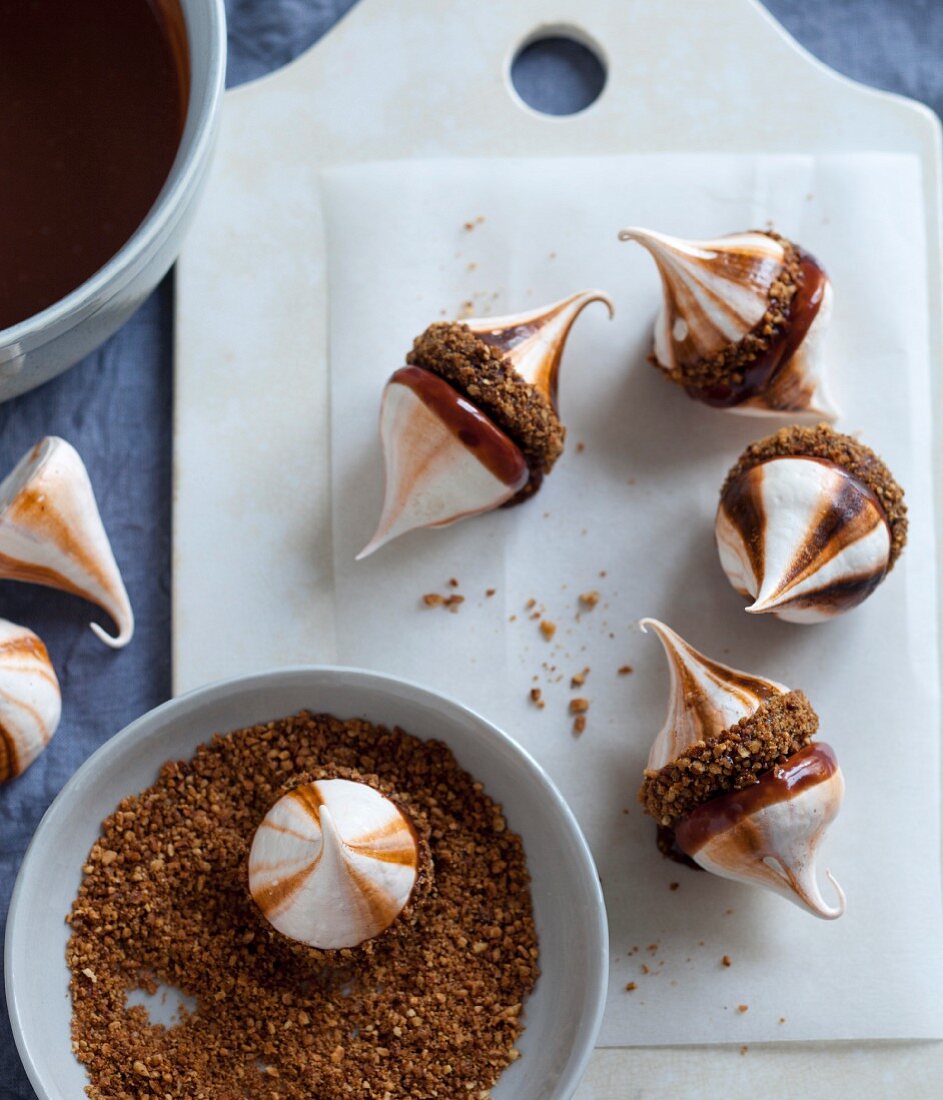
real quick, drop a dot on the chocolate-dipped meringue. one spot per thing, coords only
(51, 533)
(810, 522)
(335, 863)
(30, 699)
(734, 780)
(742, 321)
(471, 423)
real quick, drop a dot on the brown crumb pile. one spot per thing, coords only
(735, 759)
(854, 457)
(727, 366)
(482, 374)
(433, 1012)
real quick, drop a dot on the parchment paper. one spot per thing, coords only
(630, 514)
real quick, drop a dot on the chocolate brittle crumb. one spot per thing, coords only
(547, 628)
(433, 599)
(579, 706)
(589, 599)
(726, 961)
(579, 724)
(424, 1014)
(626, 670)
(536, 697)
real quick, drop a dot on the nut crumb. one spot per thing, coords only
(433, 599)
(580, 447)
(589, 599)
(453, 583)
(547, 628)
(536, 697)
(489, 592)
(626, 670)
(453, 603)
(726, 961)
(630, 986)
(673, 885)
(744, 1049)
(743, 1008)
(579, 724)
(579, 706)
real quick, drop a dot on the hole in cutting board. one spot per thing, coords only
(558, 71)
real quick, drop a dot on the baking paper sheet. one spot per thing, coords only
(629, 512)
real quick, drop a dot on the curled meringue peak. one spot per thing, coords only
(715, 292)
(768, 834)
(30, 699)
(533, 341)
(803, 538)
(51, 533)
(706, 698)
(333, 864)
(444, 458)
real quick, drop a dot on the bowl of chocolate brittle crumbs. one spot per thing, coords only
(312, 882)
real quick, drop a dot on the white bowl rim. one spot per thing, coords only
(590, 1024)
(91, 295)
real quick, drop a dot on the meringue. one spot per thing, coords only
(742, 321)
(51, 533)
(471, 424)
(734, 780)
(333, 864)
(30, 699)
(809, 523)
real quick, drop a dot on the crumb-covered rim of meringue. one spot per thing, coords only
(480, 372)
(734, 759)
(854, 457)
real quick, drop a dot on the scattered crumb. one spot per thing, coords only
(782, 1019)
(454, 602)
(530, 603)
(673, 885)
(469, 226)
(472, 267)
(626, 670)
(548, 629)
(744, 1049)
(630, 987)
(489, 592)
(653, 947)
(743, 1008)
(453, 583)
(579, 678)
(580, 447)
(726, 960)
(512, 618)
(433, 599)
(589, 599)
(579, 724)
(536, 697)
(579, 706)
(645, 969)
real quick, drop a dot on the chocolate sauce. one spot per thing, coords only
(806, 768)
(667, 844)
(94, 96)
(483, 438)
(758, 374)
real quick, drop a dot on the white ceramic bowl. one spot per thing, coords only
(44, 345)
(565, 1010)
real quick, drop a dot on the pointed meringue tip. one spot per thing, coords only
(114, 641)
(644, 624)
(586, 297)
(379, 539)
(762, 605)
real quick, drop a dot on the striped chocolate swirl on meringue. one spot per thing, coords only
(333, 864)
(707, 697)
(803, 537)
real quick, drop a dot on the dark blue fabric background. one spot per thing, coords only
(116, 405)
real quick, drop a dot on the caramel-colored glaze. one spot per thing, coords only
(496, 451)
(806, 768)
(760, 373)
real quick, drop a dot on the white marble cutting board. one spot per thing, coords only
(431, 78)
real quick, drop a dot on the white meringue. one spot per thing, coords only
(802, 537)
(30, 699)
(715, 292)
(51, 533)
(533, 341)
(706, 698)
(444, 459)
(333, 864)
(768, 834)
